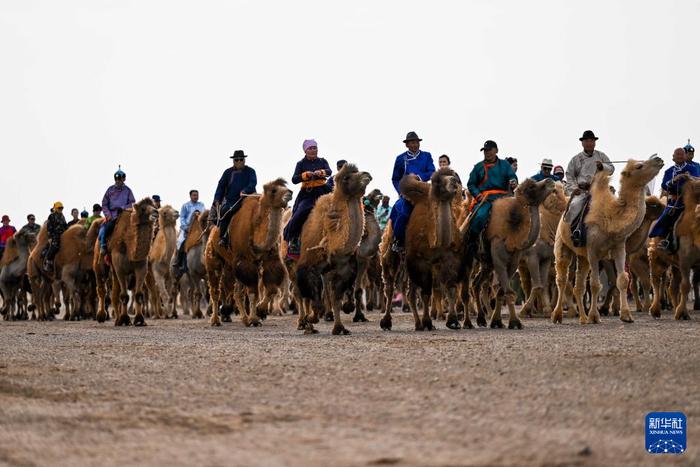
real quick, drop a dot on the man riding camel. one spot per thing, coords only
(416, 162)
(235, 182)
(312, 172)
(673, 181)
(489, 180)
(186, 212)
(579, 175)
(55, 226)
(117, 198)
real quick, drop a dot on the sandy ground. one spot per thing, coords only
(183, 393)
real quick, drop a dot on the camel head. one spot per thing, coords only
(556, 201)
(350, 182)
(444, 185)
(534, 193)
(167, 216)
(276, 194)
(691, 193)
(373, 198)
(25, 239)
(143, 215)
(637, 174)
(654, 208)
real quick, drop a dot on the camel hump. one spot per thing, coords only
(11, 252)
(413, 189)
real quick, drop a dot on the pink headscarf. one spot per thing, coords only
(308, 143)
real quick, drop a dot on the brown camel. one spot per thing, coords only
(609, 222)
(13, 268)
(255, 236)
(539, 258)
(329, 239)
(128, 248)
(72, 264)
(39, 280)
(195, 245)
(433, 247)
(367, 252)
(514, 227)
(681, 262)
(159, 263)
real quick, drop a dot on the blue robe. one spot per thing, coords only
(485, 178)
(674, 207)
(420, 164)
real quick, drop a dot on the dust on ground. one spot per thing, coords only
(182, 393)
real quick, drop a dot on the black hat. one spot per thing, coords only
(588, 134)
(238, 153)
(411, 136)
(489, 145)
(155, 198)
(96, 207)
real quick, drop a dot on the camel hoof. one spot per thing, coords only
(682, 317)
(359, 318)
(497, 323)
(123, 320)
(515, 324)
(557, 317)
(313, 319)
(593, 319)
(467, 325)
(310, 330)
(419, 326)
(428, 324)
(215, 322)
(385, 323)
(626, 319)
(255, 323)
(339, 329)
(453, 323)
(328, 316)
(226, 318)
(101, 317)
(348, 307)
(139, 320)
(198, 315)
(481, 321)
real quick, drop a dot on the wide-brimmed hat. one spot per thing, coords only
(547, 163)
(5, 218)
(588, 134)
(412, 136)
(489, 145)
(155, 197)
(238, 154)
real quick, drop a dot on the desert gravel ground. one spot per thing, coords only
(183, 393)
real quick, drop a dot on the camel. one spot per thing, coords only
(13, 268)
(128, 248)
(681, 262)
(540, 256)
(255, 248)
(367, 252)
(159, 263)
(195, 245)
(72, 264)
(40, 281)
(433, 247)
(610, 221)
(513, 228)
(330, 239)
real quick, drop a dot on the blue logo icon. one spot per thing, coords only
(665, 432)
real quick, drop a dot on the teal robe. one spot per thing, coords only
(483, 179)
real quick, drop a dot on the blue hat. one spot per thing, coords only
(155, 198)
(688, 147)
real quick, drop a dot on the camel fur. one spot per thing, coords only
(329, 242)
(160, 257)
(13, 268)
(610, 221)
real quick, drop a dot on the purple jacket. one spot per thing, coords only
(117, 198)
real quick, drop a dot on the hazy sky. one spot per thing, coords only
(169, 89)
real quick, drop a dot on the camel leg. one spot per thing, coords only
(214, 276)
(362, 265)
(657, 278)
(619, 256)
(101, 288)
(464, 298)
(534, 284)
(451, 299)
(253, 317)
(388, 274)
(596, 286)
(582, 270)
(564, 257)
(682, 307)
(411, 298)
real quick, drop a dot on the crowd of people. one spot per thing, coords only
(491, 178)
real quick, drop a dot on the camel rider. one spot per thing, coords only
(489, 180)
(579, 175)
(416, 162)
(96, 214)
(235, 182)
(7, 231)
(55, 226)
(338, 165)
(156, 201)
(186, 212)
(117, 198)
(545, 171)
(312, 172)
(690, 154)
(673, 181)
